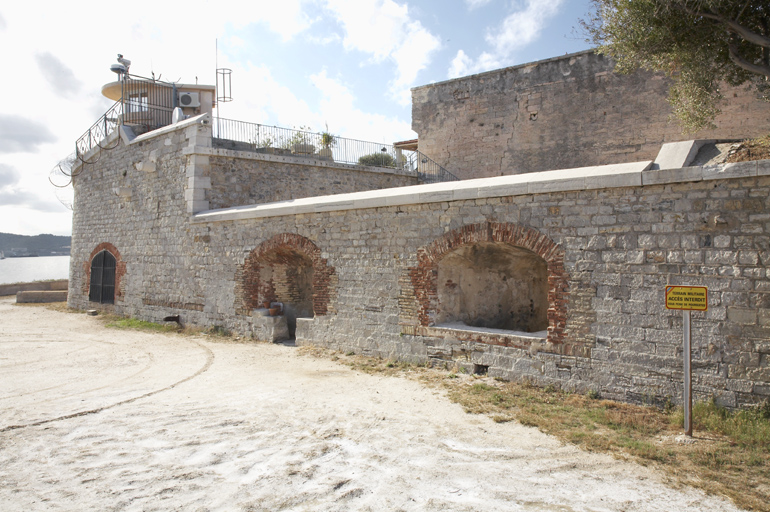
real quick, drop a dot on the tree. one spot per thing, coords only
(698, 43)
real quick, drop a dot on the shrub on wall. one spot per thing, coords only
(378, 160)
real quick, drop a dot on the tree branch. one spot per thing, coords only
(743, 63)
(738, 29)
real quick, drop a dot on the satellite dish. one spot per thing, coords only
(118, 68)
(177, 115)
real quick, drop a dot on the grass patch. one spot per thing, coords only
(731, 455)
(116, 322)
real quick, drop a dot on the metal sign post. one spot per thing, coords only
(687, 298)
(687, 355)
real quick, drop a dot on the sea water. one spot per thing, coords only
(41, 268)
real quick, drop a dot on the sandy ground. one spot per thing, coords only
(100, 419)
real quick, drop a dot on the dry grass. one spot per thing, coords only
(730, 455)
(752, 149)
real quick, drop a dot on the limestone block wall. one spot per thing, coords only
(562, 113)
(610, 243)
(138, 216)
(241, 177)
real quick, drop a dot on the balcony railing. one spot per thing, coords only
(266, 139)
(145, 102)
(98, 133)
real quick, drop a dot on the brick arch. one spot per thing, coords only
(423, 277)
(252, 290)
(120, 268)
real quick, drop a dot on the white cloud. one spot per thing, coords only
(475, 4)
(59, 76)
(338, 110)
(270, 102)
(460, 65)
(519, 29)
(287, 19)
(385, 30)
(20, 135)
(463, 65)
(8, 175)
(522, 27)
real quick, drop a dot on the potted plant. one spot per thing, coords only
(327, 141)
(299, 143)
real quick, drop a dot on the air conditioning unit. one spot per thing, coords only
(189, 99)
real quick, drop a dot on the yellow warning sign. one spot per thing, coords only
(687, 297)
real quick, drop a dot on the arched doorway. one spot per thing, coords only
(102, 288)
(287, 277)
(287, 268)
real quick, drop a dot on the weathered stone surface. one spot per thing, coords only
(561, 113)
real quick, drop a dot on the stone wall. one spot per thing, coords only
(611, 242)
(241, 177)
(562, 113)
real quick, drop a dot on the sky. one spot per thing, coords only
(345, 64)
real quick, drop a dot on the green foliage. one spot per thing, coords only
(698, 43)
(746, 427)
(141, 325)
(299, 136)
(327, 139)
(378, 160)
(263, 142)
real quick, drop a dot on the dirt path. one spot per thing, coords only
(100, 419)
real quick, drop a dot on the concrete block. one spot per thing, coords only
(28, 297)
(662, 177)
(195, 194)
(504, 189)
(199, 182)
(13, 289)
(556, 185)
(626, 179)
(270, 328)
(195, 206)
(675, 155)
(734, 170)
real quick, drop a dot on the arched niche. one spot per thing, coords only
(488, 252)
(493, 285)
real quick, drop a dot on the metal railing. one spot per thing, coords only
(244, 136)
(99, 131)
(154, 111)
(144, 102)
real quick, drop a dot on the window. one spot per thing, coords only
(102, 288)
(137, 102)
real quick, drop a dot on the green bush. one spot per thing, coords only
(378, 160)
